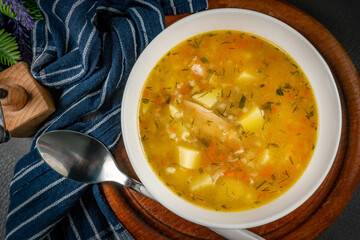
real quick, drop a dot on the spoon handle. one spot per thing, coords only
(235, 234)
(139, 187)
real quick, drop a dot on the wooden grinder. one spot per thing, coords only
(25, 103)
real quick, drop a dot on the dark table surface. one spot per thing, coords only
(342, 19)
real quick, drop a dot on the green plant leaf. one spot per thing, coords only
(9, 49)
(34, 11)
(6, 10)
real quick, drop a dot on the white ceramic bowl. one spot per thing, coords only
(303, 53)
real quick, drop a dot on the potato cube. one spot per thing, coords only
(252, 120)
(145, 107)
(265, 157)
(214, 79)
(208, 98)
(173, 110)
(189, 158)
(244, 77)
(230, 189)
(201, 181)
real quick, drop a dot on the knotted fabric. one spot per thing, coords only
(83, 52)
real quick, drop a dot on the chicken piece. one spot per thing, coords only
(210, 124)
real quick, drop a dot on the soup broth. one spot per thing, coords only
(228, 120)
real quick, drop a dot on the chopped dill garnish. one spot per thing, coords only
(260, 185)
(310, 114)
(204, 60)
(272, 145)
(145, 100)
(267, 106)
(279, 92)
(242, 102)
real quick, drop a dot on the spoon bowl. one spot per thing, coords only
(83, 158)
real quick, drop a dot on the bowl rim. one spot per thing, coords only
(127, 135)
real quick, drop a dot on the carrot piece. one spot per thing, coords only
(187, 51)
(229, 173)
(184, 90)
(274, 57)
(261, 149)
(267, 171)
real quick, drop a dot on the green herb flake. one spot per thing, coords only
(273, 177)
(168, 100)
(229, 94)
(267, 106)
(242, 102)
(287, 86)
(204, 60)
(283, 181)
(286, 173)
(310, 114)
(260, 185)
(294, 109)
(204, 142)
(272, 145)
(145, 100)
(196, 43)
(294, 65)
(280, 92)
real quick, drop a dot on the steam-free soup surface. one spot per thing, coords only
(228, 121)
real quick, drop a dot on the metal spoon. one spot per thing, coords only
(85, 159)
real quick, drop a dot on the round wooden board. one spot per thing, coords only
(145, 218)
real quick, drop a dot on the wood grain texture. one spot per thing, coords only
(24, 112)
(326, 204)
(16, 97)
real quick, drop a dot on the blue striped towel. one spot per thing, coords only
(83, 51)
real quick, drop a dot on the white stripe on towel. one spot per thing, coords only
(36, 195)
(89, 219)
(44, 210)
